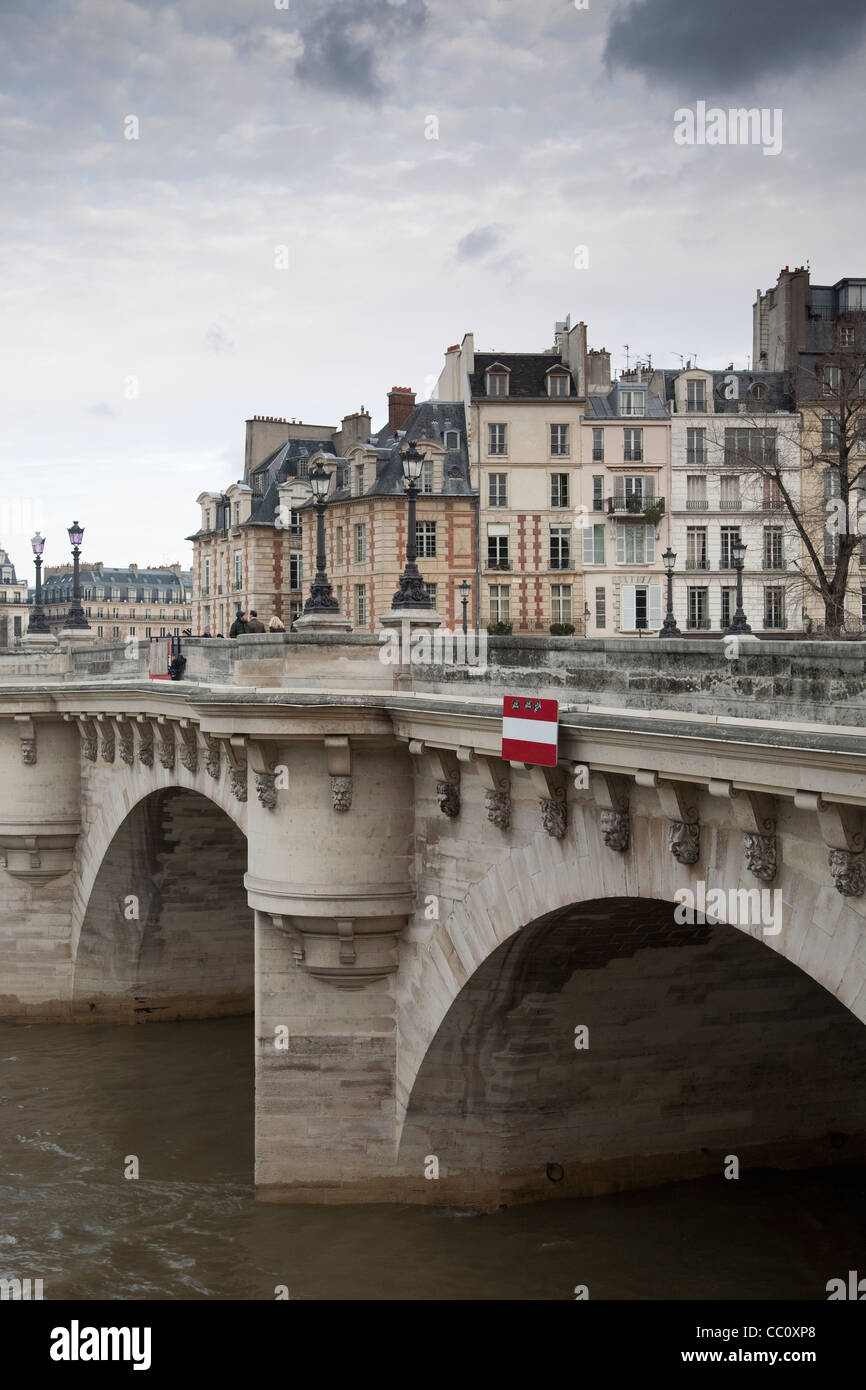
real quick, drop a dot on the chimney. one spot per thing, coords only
(133, 569)
(401, 403)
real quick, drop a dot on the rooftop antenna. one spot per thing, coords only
(682, 360)
(625, 345)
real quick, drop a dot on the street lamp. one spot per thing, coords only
(738, 622)
(76, 618)
(669, 626)
(411, 593)
(38, 621)
(464, 599)
(321, 598)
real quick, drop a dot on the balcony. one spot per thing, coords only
(699, 625)
(697, 504)
(693, 564)
(498, 565)
(635, 505)
(731, 506)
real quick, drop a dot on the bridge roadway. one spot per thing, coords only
(420, 927)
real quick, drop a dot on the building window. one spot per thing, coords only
(632, 446)
(699, 608)
(497, 545)
(759, 391)
(635, 545)
(632, 402)
(558, 384)
(296, 570)
(425, 539)
(696, 492)
(729, 492)
(729, 535)
(430, 591)
(451, 439)
(696, 397)
(338, 543)
(497, 439)
(560, 603)
(115, 632)
(559, 490)
(832, 483)
(497, 492)
(830, 381)
(560, 547)
(132, 631)
(147, 632)
(696, 445)
(239, 569)
(755, 447)
(361, 542)
(774, 607)
(593, 544)
(500, 603)
(729, 605)
(773, 548)
(427, 475)
(295, 523)
(600, 608)
(99, 632)
(640, 607)
(360, 605)
(633, 493)
(831, 547)
(829, 434)
(696, 548)
(497, 383)
(597, 444)
(359, 480)
(846, 337)
(863, 607)
(597, 492)
(559, 447)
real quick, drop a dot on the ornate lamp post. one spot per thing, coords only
(669, 626)
(321, 598)
(411, 593)
(38, 622)
(464, 599)
(738, 622)
(76, 619)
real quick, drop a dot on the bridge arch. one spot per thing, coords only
(166, 931)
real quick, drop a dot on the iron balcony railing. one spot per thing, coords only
(634, 505)
(697, 504)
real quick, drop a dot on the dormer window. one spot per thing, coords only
(696, 396)
(497, 382)
(558, 384)
(359, 480)
(632, 402)
(759, 391)
(451, 439)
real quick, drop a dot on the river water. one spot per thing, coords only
(76, 1102)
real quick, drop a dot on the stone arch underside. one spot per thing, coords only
(701, 1044)
(167, 932)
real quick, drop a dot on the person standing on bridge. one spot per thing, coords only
(255, 623)
(276, 624)
(240, 624)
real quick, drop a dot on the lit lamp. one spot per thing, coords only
(38, 622)
(738, 622)
(76, 619)
(411, 593)
(669, 626)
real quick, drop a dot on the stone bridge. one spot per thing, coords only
(472, 981)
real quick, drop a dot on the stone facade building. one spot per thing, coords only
(121, 603)
(524, 413)
(14, 610)
(624, 496)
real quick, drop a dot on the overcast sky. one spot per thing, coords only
(262, 127)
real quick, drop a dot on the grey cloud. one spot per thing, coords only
(103, 410)
(347, 44)
(730, 45)
(217, 340)
(479, 242)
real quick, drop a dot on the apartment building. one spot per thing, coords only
(14, 609)
(121, 602)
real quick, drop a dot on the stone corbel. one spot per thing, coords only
(262, 759)
(679, 802)
(841, 830)
(496, 781)
(236, 753)
(212, 756)
(188, 747)
(549, 782)
(754, 814)
(446, 770)
(144, 732)
(27, 735)
(123, 738)
(87, 731)
(38, 857)
(165, 731)
(339, 755)
(106, 737)
(611, 795)
(285, 925)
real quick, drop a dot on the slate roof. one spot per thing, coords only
(58, 587)
(779, 395)
(6, 563)
(527, 378)
(604, 407)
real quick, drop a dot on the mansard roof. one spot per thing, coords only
(606, 406)
(527, 373)
(283, 464)
(160, 578)
(777, 384)
(428, 423)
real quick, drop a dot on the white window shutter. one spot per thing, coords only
(588, 533)
(627, 607)
(650, 546)
(654, 606)
(620, 547)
